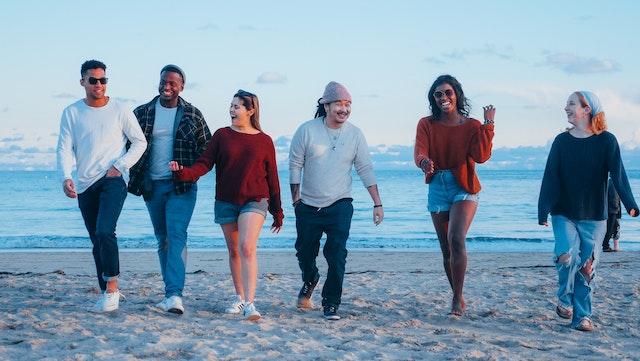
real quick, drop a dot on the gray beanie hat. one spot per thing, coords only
(334, 92)
(175, 69)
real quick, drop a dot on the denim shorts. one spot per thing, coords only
(444, 191)
(226, 212)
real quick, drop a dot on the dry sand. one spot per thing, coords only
(395, 307)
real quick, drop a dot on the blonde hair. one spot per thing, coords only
(598, 122)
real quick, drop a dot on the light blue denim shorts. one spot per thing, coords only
(226, 212)
(445, 191)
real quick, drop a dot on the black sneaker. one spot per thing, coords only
(304, 297)
(331, 313)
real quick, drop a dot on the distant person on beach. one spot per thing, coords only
(613, 220)
(247, 187)
(448, 145)
(322, 155)
(175, 130)
(94, 132)
(574, 192)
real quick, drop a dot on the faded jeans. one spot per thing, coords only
(581, 240)
(170, 215)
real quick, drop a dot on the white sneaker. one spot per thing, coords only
(172, 304)
(236, 306)
(107, 303)
(250, 313)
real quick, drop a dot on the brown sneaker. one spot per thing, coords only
(585, 325)
(564, 311)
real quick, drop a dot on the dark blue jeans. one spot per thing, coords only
(335, 222)
(100, 206)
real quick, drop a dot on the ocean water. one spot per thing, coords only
(35, 214)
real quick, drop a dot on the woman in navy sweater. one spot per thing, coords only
(574, 192)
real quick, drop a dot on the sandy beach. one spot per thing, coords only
(395, 307)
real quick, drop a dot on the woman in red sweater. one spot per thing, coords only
(247, 186)
(448, 145)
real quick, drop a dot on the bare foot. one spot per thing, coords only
(458, 307)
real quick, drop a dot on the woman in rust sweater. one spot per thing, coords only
(247, 186)
(448, 145)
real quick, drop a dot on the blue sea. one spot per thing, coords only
(35, 214)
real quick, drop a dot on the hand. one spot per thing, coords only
(489, 113)
(69, 188)
(633, 212)
(113, 172)
(174, 166)
(427, 166)
(276, 229)
(378, 215)
(546, 224)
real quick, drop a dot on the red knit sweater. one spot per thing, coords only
(456, 148)
(245, 169)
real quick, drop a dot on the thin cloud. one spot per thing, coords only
(463, 54)
(5, 109)
(271, 78)
(65, 96)
(13, 139)
(573, 64)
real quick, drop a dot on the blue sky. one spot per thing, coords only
(525, 58)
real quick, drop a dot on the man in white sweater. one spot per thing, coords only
(322, 154)
(93, 135)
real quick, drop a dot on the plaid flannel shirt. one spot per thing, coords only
(191, 137)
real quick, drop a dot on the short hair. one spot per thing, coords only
(91, 64)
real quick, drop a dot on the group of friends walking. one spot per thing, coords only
(161, 148)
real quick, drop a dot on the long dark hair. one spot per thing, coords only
(250, 101)
(320, 111)
(462, 105)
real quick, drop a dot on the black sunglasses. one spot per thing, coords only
(94, 81)
(440, 94)
(244, 93)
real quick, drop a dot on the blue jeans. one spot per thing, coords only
(580, 241)
(170, 215)
(445, 191)
(101, 205)
(311, 223)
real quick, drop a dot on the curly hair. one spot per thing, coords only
(462, 104)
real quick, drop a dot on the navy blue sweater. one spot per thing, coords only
(574, 184)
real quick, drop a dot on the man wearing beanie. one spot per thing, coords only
(175, 130)
(327, 148)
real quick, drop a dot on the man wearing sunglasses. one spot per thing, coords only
(175, 130)
(94, 133)
(328, 148)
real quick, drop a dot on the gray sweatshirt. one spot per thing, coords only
(323, 172)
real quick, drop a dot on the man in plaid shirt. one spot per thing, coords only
(175, 130)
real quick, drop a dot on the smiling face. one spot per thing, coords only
(94, 92)
(240, 116)
(576, 111)
(171, 85)
(445, 98)
(337, 113)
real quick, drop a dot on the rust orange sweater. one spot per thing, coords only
(456, 148)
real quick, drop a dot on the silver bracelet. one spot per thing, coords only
(488, 121)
